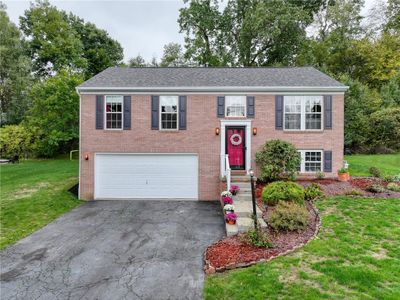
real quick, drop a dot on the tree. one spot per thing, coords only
(246, 33)
(390, 92)
(53, 43)
(200, 22)
(172, 56)
(14, 72)
(58, 41)
(137, 61)
(99, 49)
(54, 115)
(335, 27)
(385, 129)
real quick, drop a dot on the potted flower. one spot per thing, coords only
(227, 200)
(229, 208)
(234, 189)
(226, 193)
(231, 218)
(343, 174)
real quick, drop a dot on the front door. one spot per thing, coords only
(236, 147)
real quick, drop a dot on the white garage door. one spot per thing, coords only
(130, 176)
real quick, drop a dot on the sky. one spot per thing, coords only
(141, 27)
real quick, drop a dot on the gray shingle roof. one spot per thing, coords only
(210, 78)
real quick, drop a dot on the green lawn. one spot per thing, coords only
(389, 164)
(34, 193)
(356, 256)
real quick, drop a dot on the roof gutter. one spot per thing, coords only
(219, 89)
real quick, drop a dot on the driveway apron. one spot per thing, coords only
(115, 250)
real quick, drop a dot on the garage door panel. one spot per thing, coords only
(146, 176)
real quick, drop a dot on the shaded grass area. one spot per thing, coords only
(356, 256)
(34, 193)
(389, 164)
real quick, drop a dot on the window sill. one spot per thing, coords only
(304, 131)
(169, 130)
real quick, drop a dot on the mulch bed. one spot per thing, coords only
(332, 187)
(232, 252)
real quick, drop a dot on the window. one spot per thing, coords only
(235, 106)
(114, 112)
(303, 112)
(169, 112)
(311, 161)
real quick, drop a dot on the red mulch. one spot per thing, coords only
(232, 252)
(332, 187)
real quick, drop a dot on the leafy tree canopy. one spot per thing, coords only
(15, 69)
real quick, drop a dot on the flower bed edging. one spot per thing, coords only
(209, 269)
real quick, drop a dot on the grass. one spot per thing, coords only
(356, 256)
(389, 164)
(34, 193)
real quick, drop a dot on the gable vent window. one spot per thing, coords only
(169, 112)
(235, 106)
(311, 161)
(303, 112)
(114, 112)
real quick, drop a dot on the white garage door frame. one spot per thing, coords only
(96, 179)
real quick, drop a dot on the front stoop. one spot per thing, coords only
(243, 207)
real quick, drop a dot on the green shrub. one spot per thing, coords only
(388, 178)
(15, 140)
(354, 192)
(257, 237)
(278, 159)
(375, 188)
(396, 178)
(320, 175)
(374, 171)
(289, 217)
(283, 191)
(313, 191)
(393, 187)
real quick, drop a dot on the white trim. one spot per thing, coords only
(160, 113)
(303, 115)
(247, 125)
(105, 113)
(102, 92)
(221, 88)
(302, 163)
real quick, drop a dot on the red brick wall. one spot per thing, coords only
(199, 137)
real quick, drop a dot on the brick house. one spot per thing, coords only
(166, 132)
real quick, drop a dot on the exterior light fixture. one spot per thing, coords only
(86, 156)
(254, 130)
(216, 131)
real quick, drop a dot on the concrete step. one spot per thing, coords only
(242, 185)
(241, 178)
(244, 209)
(242, 197)
(245, 224)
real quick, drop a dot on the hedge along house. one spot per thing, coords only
(166, 133)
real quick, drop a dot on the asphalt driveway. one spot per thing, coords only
(115, 250)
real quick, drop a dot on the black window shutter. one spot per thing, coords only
(154, 112)
(220, 106)
(127, 112)
(327, 161)
(99, 111)
(182, 112)
(251, 106)
(279, 112)
(328, 112)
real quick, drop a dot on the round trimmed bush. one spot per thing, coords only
(283, 191)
